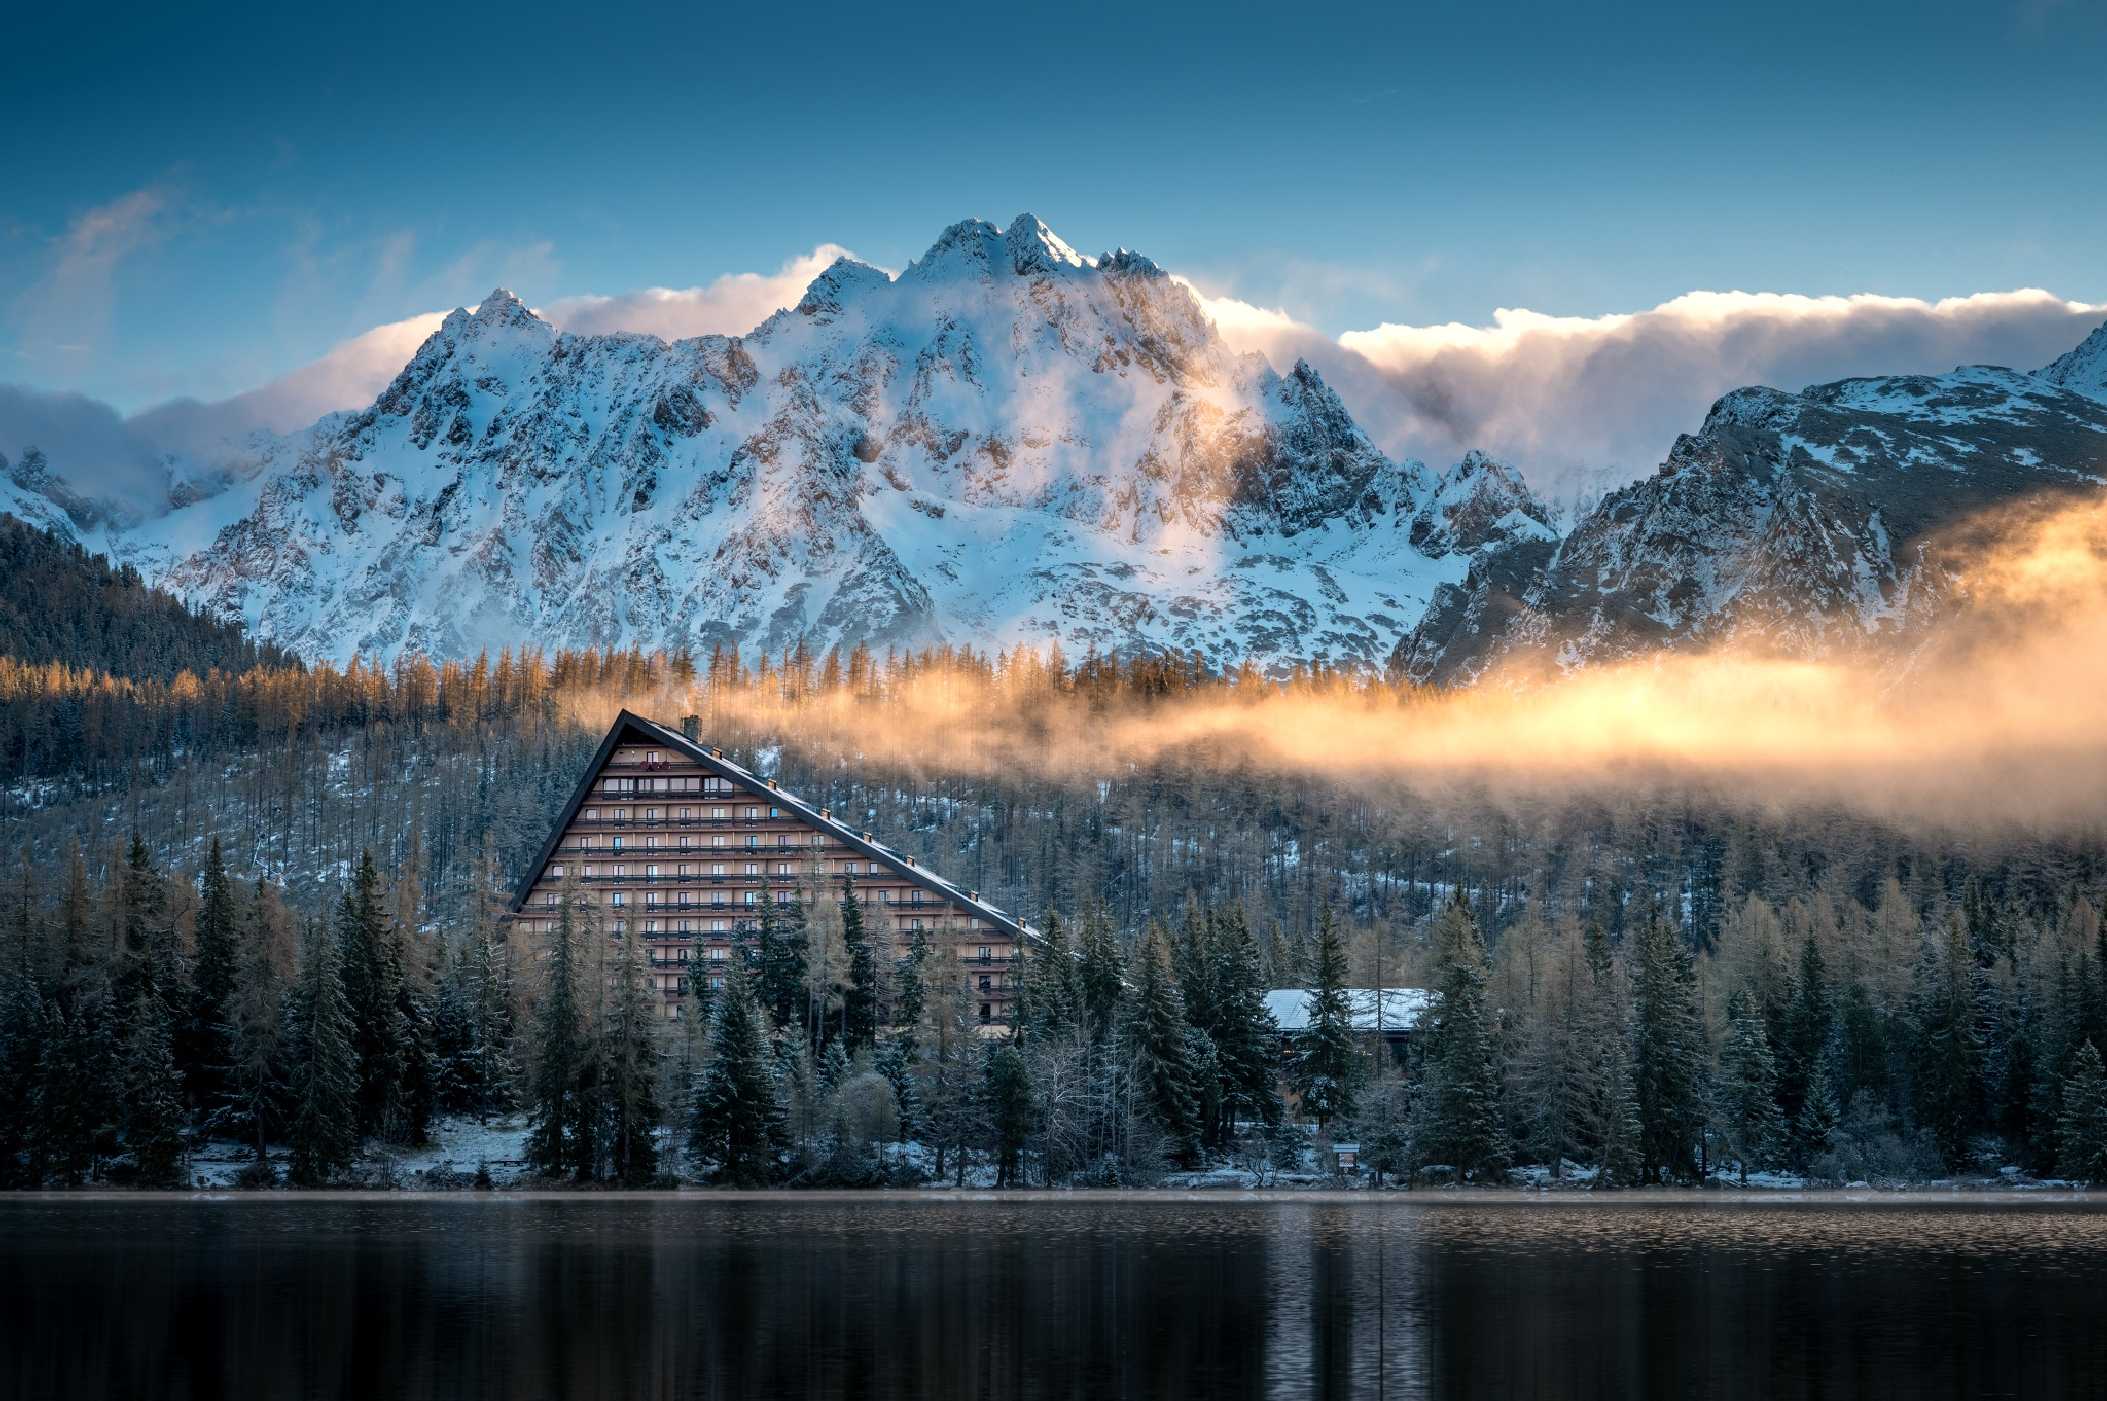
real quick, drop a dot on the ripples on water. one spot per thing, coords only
(937, 1297)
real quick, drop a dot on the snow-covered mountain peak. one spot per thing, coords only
(2084, 369)
(843, 280)
(1035, 248)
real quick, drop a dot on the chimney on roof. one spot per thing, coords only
(715, 752)
(691, 727)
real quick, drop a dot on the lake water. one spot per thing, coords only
(1086, 1297)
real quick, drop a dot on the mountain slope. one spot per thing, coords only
(1799, 522)
(1007, 443)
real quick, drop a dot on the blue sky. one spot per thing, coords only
(196, 202)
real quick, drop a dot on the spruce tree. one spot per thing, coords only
(1668, 1054)
(253, 1086)
(1458, 1118)
(322, 1086)
(1326, 1066)
(1006, 1094)
(1814, 1131)
(2081, 1133)
(1161, 1053)
(780, 958)
(1946, 1044)
(629, 1070)
(1745, 1092)
(153, 1109)
(736, 1122)
(560, 1140)
(859, 1004)
(203, 1052)
(1102, 979)
(1246, 1037)
(911, 996)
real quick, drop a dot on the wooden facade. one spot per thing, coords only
(680, 847)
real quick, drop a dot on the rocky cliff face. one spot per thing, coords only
(1796, 522)
(1007, 443)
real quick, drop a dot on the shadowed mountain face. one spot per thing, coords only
(1012, 443)
(1799, 522)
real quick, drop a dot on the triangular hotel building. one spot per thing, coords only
(680, 847)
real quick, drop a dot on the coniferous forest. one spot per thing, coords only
(255, 906)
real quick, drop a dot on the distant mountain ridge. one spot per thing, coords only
(1013, 443)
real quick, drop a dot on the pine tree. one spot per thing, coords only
(1326, 1067)
(561, 1140)
(1161, 1052)
(1458, 1117)
(628, 1055)
(1668, 1053)
(2081, 1133)
(371, 978)
(322, 1115)
(153, 1110)
(736, 1121)
(895, 1061)
(1745, 1092)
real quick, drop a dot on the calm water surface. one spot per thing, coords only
(707, 1296)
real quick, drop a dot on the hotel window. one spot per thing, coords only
(752, 839)
(556, 873)
(686, 813)
(549, 898)
(987, 984)
(716, 955)
(775, 812)
(717, 984)
(753, 813)
(592, 814)
(716, 868)
(687, 926)
(619, 925)
(616, 841)
(753, 897)
(686, 841)
(651, 842)
(651, 898)
(753, 868)
(591, 870)
(651, 814)
(618, 872)
(719, 814)
(984, 952)
(616, 900)
(716, 841)
(651, 926)
(687, 868)
(782, 839)
(651, 872)
(782, 897)
(784, 868)
(717, 926)
(682, 955)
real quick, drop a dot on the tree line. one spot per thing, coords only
(142, 1012)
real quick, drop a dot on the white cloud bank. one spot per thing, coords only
(729, 306)
(1566, 396)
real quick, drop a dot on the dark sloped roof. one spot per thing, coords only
(629, 724)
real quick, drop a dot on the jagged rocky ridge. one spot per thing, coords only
(1011, 443)
(1007, 443)
(1801, 523)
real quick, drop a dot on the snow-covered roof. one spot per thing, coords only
(1401, 1007)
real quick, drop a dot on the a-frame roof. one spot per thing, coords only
(631, 726)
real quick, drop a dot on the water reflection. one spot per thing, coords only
(709, 1296)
